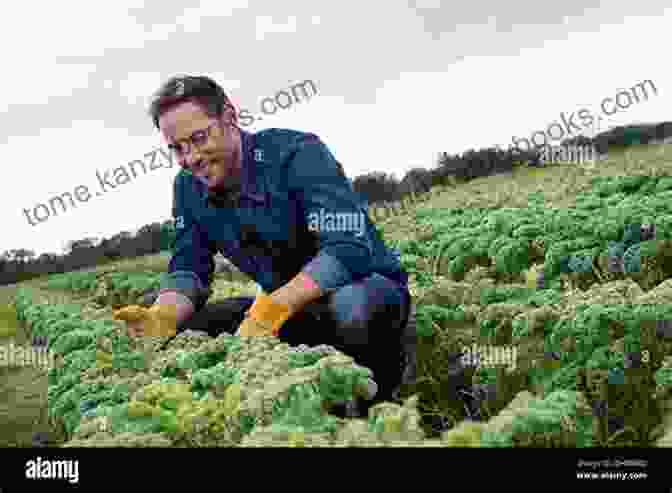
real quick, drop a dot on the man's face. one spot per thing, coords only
(208, 147)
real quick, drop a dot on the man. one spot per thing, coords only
(278, 205)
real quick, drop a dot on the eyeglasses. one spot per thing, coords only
(198, 139)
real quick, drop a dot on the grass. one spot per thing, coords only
(23, 390)
(9, 325)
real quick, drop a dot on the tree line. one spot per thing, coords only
(22, 264)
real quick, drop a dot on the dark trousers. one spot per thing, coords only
(365, 320)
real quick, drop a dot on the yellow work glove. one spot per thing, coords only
(264, 318)
(158, 320)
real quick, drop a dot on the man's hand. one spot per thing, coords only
(269, 312)
(264, 318)
(250, 327)
(158, 320)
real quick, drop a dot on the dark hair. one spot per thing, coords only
(202, 90)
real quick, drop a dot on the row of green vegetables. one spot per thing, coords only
(625, 219)
(159, 405)
(86, 282)
(619, 217)
(81, 345)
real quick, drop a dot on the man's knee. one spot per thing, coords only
(351, 305)
(365, 309)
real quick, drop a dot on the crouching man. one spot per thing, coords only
(278, 205)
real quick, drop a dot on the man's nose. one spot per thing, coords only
(193, 160)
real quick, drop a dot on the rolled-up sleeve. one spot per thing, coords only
(192, 262)
(334, 212)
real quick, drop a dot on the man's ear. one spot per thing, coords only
(229, 118)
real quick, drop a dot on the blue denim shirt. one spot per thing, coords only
(296, 211)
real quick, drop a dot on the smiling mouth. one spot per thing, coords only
(215, 168)
(204, 168)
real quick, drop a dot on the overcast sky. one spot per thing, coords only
(397, 82)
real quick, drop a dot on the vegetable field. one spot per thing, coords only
(562, 278)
